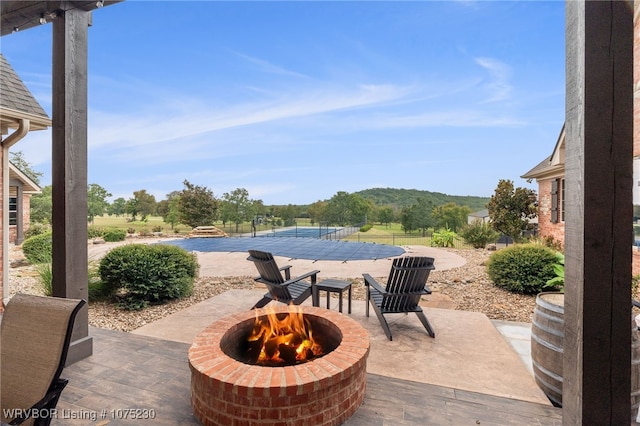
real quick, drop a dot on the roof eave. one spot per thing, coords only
(30, 187)
(549, 172)
(10, 119)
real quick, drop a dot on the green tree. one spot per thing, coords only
(417, 216)
(259, 207)
(406, 218)
(117, 207)
(142, 204)
(422, 215)
(41, 206)
(346, 209)
(197, 206)
(96, 201)
(18, 160)
(386, 215)
(172, 216)
(131, 207)
(236, 207)
(511, 208)
(288, 214)
(451, 216)
(317, 211)
(169, 209)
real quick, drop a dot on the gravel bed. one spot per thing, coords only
(468, 287)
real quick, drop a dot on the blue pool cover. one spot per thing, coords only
(293, 248)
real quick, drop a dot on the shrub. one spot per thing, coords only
(548, 241)
(522, 268)
(114, 234)
(443, 238)
(157, 228)
(95, 232)
(365, 228)
(479, 234)
(97, 289)
(635, 282)
(45, 277)
(557, 282)
(38, 249)
(148, 273)
(36, 229)
(131, 230)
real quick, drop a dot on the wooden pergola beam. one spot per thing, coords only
(598, 227)
(69, 170)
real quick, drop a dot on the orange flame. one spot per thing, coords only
(286, 340)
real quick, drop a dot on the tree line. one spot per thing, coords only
(510, 209)
(196, 205)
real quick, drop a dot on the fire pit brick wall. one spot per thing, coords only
(324, 391)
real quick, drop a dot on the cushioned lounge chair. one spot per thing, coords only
(405, 286)
(34, 341)
(283, 289)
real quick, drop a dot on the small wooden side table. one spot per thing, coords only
(333, 286)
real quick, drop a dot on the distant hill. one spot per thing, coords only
(400, 198)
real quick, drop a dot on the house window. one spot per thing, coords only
(13, 210)
(562, 200)
(557, 200)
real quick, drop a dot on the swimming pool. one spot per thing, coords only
(294, 248)
(299, 232)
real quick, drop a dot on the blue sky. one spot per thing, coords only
(295, 101)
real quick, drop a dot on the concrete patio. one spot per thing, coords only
(475, 371)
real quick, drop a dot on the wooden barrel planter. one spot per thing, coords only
(547, 335)
(635, 373)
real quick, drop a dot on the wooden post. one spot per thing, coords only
(69, 169)
(598, 240)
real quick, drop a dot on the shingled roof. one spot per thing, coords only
(16, 101)
(551, 166)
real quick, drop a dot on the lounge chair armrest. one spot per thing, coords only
(311, 274)
(370, 281)
(48, 401)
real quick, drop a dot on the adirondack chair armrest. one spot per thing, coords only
(370, 281)
(410, 268)
(287, 271)
(312, 274)
(423, 292)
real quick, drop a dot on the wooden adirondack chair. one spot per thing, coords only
(35, 335)
(405, 285)
(283, 289)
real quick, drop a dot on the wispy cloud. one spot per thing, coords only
(161, 124)
(269, 67)
(500, 73)
(450, 118)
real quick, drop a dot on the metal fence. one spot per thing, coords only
(402, 240)
(323, 231)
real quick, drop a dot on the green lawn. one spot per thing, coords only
(123, 222)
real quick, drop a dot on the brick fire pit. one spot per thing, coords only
(324, 391)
